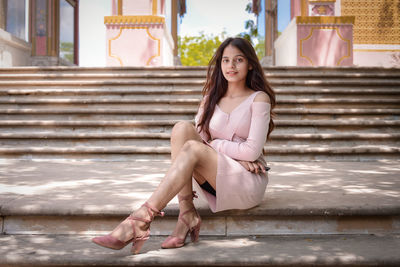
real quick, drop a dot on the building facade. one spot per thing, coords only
(341, 33)
(39, 32)
(321, 33)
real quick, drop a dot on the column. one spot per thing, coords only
(3, 18)
(45, 32)
(136, 34)
(174, 30)
(270, 32)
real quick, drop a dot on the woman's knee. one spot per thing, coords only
(183, 130)
(193, 148)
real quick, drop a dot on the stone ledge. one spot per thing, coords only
(91, 188)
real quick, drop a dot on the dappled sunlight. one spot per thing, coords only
(87, 187)
(227, 244)
(268, 250)
(93, 186)
(329, 185)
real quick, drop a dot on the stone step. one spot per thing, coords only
(99, 73)
(275, 136)
(150, 123)
(347, 250)
(327, 250)
(138, 149)
(137, 146)
(194, 72)
(195, 101)
(339, 125)
(176, 99)
(36, 198)
(106, 90)
(183, 110)
(189, 116)
(200, 82)
(195, 90)
(185, 69)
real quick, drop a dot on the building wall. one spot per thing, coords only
(376, 29)
(286, 46)
(13, 51)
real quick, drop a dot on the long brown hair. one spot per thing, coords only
(216, 84)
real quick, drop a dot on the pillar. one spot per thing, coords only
(44, 34)
(136, 34)
(3, 13)
(174, 30)
(271, 32)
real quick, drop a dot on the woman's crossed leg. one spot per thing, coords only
(190, 157)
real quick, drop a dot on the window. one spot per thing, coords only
(16, 18)
(67, 31)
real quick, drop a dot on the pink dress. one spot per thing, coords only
(239, 135)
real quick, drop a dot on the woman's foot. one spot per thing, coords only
(189, 221)
(125, 230)
(135, 228)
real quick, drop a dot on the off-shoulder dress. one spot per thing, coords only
(239, 135)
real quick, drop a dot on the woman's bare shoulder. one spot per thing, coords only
(262, 97)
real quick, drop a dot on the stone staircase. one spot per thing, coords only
(336, 114)
(81, 147)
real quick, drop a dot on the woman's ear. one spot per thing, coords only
(250, 67)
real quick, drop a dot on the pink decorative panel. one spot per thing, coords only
(322, 9)
(41, 46)
(137, 45)
(324, 45)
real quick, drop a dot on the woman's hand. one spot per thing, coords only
(255, 166)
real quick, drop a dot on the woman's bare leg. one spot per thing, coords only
(189, 155)
(182, 132)
(193, 157)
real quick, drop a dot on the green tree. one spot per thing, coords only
(198, 50)
(250, 26)
(251, 34)
(67, 51)
(260, 48)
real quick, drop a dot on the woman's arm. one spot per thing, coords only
(251, 149)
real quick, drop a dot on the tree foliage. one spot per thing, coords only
(250, 26)
(198, 50)
(67, 51)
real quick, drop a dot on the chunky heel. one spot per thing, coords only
(194, 234)
(177, 242)
(137, 245)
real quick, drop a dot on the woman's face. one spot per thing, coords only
(234, 64)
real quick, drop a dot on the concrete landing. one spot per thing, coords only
(337, 250)
(115, 188)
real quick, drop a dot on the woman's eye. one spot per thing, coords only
(225, 60)
(239, 60)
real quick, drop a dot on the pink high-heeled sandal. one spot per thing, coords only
(111, 242)
(177, 242)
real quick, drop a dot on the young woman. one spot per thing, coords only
(223, 152)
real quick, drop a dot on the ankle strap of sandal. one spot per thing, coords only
(153, 211)
(188, 197)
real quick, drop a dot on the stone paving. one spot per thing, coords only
(354, 250)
